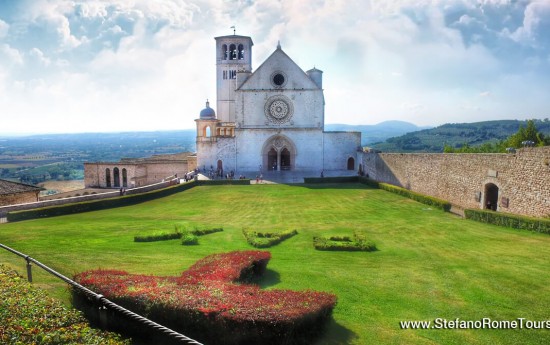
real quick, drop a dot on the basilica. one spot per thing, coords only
(269, 119)
(265, 120)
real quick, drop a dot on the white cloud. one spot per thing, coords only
(138, 64)
(4, 27)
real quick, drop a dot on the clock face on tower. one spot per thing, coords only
(278, 109)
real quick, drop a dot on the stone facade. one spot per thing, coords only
(517, 183)
(131, 173)
(13, 193)
(269, 119)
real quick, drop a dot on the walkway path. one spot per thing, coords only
(288, 177)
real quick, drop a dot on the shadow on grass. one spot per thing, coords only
(268, 279)
(338, 185)
(336, 334)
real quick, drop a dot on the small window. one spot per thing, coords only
(278, 79)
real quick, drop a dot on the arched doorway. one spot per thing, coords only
(124, 178)
(491, 197)
(272, 159)
(351, 163)
(116, 177)
(285, 159)
(279, 153)
(108, 178)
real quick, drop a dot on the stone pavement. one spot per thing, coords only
(287, 177)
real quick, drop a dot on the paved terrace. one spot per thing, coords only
(287, 177)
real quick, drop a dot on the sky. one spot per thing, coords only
(141, 65)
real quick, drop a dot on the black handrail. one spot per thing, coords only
(102, 300)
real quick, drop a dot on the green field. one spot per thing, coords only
(429, 264)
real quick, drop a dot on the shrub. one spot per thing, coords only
(425, 199)
(267, 239)
(336, 179)
(344, 243)
(29, 316)
(202, 232)
(189, 239)
(158, 236)
(210, 301)
(509, 220)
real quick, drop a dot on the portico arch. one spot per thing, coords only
(279, 153)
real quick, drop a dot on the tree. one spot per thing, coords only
(529, 133)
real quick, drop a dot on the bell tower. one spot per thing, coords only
(233, 55)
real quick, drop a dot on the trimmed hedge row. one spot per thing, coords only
(344, 243)
(96, 205)
(336, 179)
(188, 237)
(159, 236)
(213, 303)
(424, 199)
(509, 220)
(267, 239)
(29, 316)
(127, 200)
(223, 182)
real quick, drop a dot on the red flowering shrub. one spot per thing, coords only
(210, 303)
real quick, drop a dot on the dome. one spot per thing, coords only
(208, 113)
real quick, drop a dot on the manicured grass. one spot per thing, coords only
(429, 264)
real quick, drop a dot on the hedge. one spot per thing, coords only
(509, 220)
(95, 205)
(336, 179)
(127, 200)
(344, 243)
(159, 236)
(424, 199)
(29, 316)
(213, 301)
(267, 239)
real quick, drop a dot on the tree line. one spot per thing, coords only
(525, 136)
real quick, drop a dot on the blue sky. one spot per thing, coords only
(87, 66)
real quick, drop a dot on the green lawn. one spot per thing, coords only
(429, 264)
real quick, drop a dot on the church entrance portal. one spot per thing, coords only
(491, 196)
(279, 154)
(272, 159)
(285, 159)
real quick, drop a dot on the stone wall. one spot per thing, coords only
(137, 174)
(109, 194)
(18, 198)
(339, 147)
(522, 178)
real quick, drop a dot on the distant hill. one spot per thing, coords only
(379, 132)
(456, 135)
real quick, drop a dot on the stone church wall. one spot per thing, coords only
(338, 147)
(523, 178)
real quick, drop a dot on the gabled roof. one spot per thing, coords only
(280, 58)
(8, 187)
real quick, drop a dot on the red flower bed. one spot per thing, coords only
(210, 302)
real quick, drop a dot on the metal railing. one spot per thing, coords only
(102, 301)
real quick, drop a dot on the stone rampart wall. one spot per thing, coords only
(522, 178)
(109, 194)
(18, 198)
